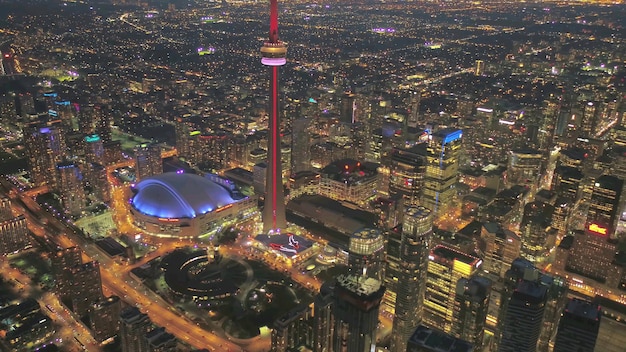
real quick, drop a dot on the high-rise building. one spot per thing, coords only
(479, 69)
(392, 268)
(95, 118)
(103, 122)
(593, 253)
(70, 187)
(406, 173)
(8, 109)
(444, 149)
(96, 179)
(521, 271)
(590, 115)
(293, 329)
(62, 261)
(413, 120)
(45, 147)
(182, 131)
(86, 287)
(524, 166)
(427, 339)
(274, 54)
(566, 182)
(471, 306)
(14, 235)
(446, 267)
(105, 318)
(94, 148)
(5, 209)
(134, 326)
(417, 229)
(323, 320)
(355, 310)
(148, 161)
(160, 340)
(523, 317)
(537, 240)
(560, 217)
(605, 198)
(502, 246)
(349, 180)
(26, 104)
(578, 327)
(366, 253)
(300, 145)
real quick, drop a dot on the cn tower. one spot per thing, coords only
(274, 54)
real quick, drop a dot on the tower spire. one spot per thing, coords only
(273, 38)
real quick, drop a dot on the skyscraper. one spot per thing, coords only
(502, 246)
(293, 329)
(300, 145)
(416, 232)
(605, 198)
(444, 149)
(274, 54)
(406, 173)
(70, 187)
(523, 318)
(593, 254)
(471, 307)
(323, 320)
(355, 310)
(105, 318)
(94, 148)
(86, 287)
(517, 324)
(366, 252)
(5, 209)
(536, 240)
(446, 267)
(134, 326)
(45, 147)
(479, 69)
(148, 161)
(13, 235)
(524, 166)
(62, 261)
(579, 326)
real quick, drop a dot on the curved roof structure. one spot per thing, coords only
(179, 195)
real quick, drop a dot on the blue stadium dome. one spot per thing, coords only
(179, 195)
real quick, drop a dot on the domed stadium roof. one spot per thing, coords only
(179, 195)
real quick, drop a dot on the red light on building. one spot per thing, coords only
(595, 228)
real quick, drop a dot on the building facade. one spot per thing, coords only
(411, 275)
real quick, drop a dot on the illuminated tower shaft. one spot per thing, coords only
(274, 55)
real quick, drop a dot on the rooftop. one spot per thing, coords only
(364, 286)
(350, 171)
(438, 341)
(583, 309)
(451, 255)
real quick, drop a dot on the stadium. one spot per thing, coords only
(185, 205)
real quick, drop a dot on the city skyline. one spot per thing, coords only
(418, 176)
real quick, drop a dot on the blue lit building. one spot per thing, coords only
(176, 204)
(443, 151)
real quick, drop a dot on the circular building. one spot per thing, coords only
(187, 206)
(366, 253)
